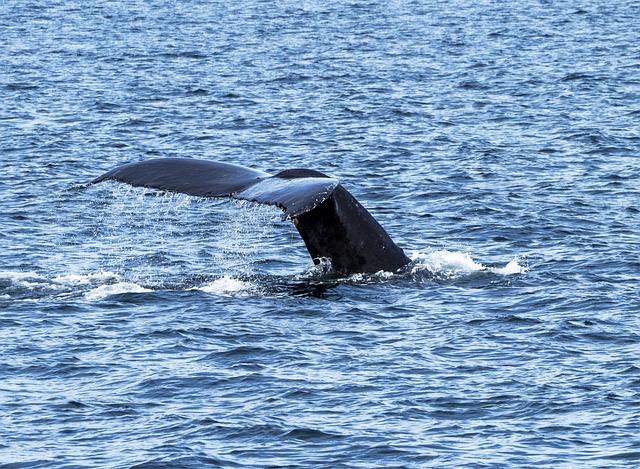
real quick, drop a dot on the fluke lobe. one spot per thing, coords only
(331, 221)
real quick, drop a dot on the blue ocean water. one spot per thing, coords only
(497, 142)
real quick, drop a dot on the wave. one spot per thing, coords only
(95, 286)
(92, 286)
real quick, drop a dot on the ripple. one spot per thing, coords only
(495, 142)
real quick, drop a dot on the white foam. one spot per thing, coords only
(446, 263)
(511, 268)
(449, 264)
(29, 280)
(381, 275)
(114, 289)
(16, 277)
(322, 268)
(227, 285)
(86, 279)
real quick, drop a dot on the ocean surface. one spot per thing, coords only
(498, 142)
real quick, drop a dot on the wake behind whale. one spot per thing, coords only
(334, 226)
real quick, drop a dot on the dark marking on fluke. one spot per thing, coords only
(331, 221)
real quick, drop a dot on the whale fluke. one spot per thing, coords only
(332, 223)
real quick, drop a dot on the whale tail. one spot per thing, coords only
(331, 222)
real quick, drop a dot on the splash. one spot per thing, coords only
(451, 264)
(511, 268)
(101, 284)
(92, 286)
(32, 281)
(86, 279)
(227, 285)
(28, 280)
(175, 235)
(104, 291)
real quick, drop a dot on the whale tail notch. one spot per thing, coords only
(331, 222)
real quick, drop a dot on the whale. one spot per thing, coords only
(334, 226)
